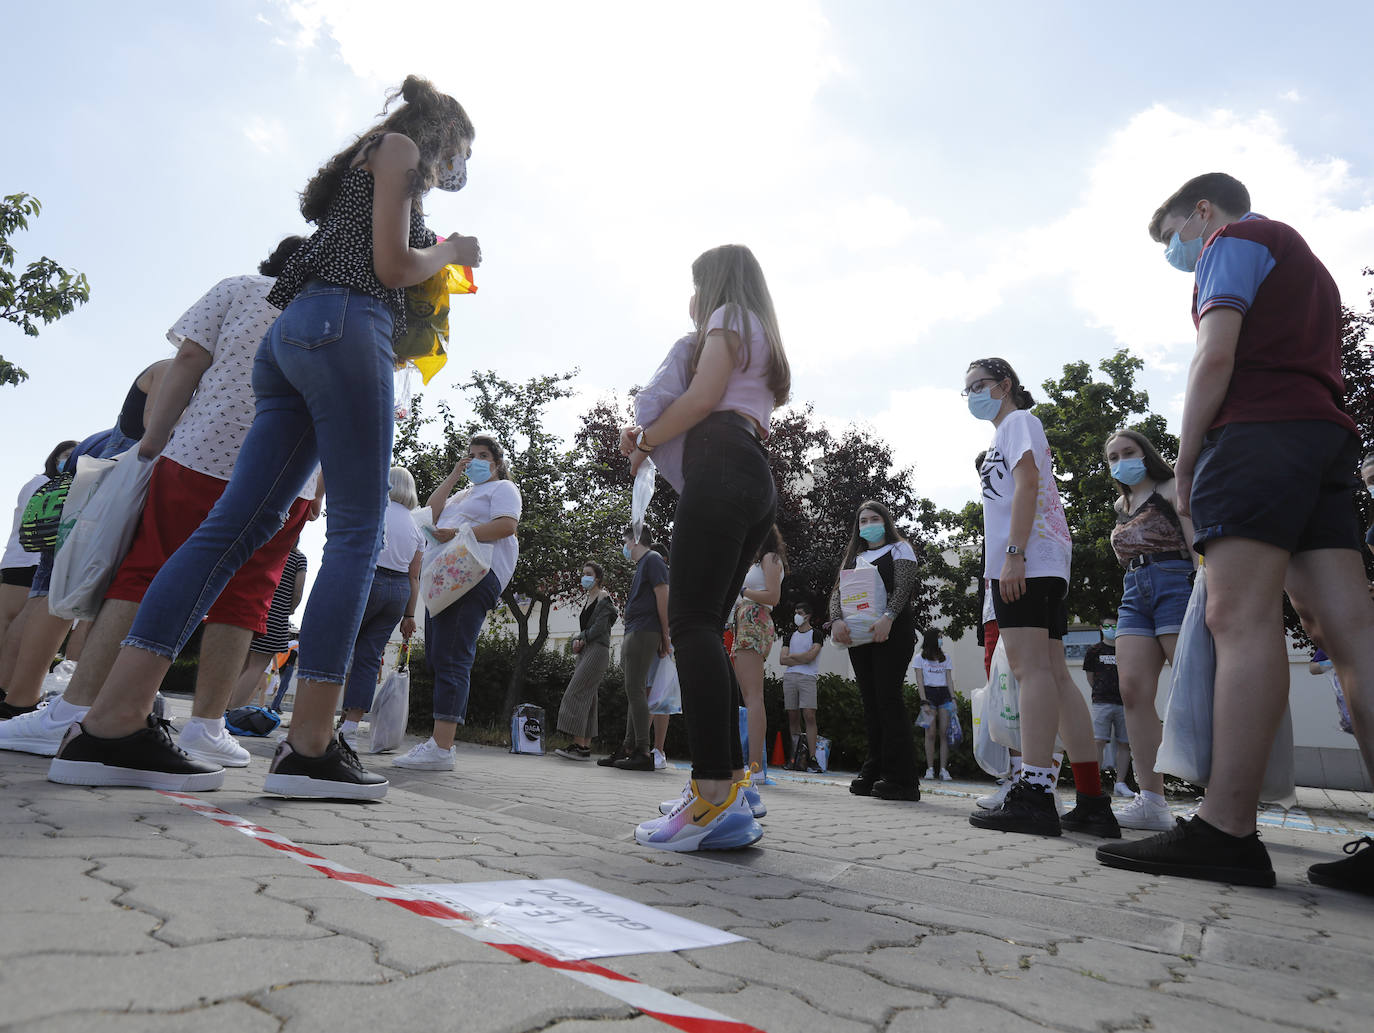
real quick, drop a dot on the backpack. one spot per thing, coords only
(43, 513)
(254, 721)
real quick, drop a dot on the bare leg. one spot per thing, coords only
(254, 664)
(108, 629)
(794, 724)
(126, 699)
(809, 716)
(1075, 719)
(658, 732)
(444, 732)
(1029, 658)
(749, 671)
(1123, 767)
(931, 730)
(9, 647)
(1139, 659)
(312, 719)
(76, 641)
(12, 600)
(1245, 614)
(222, 650)
(43, 634)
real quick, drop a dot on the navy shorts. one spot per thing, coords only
(1290, 484)
(1045, 604)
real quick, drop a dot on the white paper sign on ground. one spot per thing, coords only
(572, 921)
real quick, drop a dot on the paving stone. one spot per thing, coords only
(229, 1017)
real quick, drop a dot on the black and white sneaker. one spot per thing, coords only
(148, 759)
(1027, 809)
(335, 775)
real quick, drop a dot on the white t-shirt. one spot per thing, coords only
(899, 550)
(933, 672)
(229, 322)
(403, 538)
(480, 504)
(15, 556)
(1049, 552)
(798, 644)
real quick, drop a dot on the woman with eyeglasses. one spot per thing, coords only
(1151, 542)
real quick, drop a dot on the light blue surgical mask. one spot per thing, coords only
(983, 405)
(1183, 254)
(588, 581)
(1129, 471)
(479, 471)
(873, 533)
(1109, 634)
(625, 551)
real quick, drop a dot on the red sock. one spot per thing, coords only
(1087, 778)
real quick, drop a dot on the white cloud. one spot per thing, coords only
(268, 135)
(1292, 96)
(930, 428)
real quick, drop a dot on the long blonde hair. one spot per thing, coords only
(730, 275)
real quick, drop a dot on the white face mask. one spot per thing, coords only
(452, 173)
(798, 619)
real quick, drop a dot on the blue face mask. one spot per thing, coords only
(479, 471)
(983, 405)
(872, 533)
(1129, 471)
(1109, 634)
(588, 581)
(1181, 254)
(625, 550)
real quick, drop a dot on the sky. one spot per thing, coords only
(924, 184)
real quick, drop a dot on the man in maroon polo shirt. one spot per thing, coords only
(1267, 464)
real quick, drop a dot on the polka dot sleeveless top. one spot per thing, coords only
(340, 251)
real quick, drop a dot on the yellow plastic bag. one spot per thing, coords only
(426, 336)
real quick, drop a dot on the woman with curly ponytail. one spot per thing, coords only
(323, 381)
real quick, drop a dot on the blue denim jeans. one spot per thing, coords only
(322, 378)
(386, 605)
(451, 646)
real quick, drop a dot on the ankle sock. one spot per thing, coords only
(1015, 768)
(1154, 798)
(1040, 778)
(63, 712)
(213, 725)
(348, 727)
(1087, 778)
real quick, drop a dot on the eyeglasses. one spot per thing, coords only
(978, 384)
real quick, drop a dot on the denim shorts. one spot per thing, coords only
(1154, 598)
(1109, 722)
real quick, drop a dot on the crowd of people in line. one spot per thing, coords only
(283, 382)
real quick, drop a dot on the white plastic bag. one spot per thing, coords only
(390, 712)
(992, 756)
(1186, 748)
(1004, 701)
(452, 571)
(665, 694)
(55, 682)
(99, 529)
(641, 494)
(863, 597)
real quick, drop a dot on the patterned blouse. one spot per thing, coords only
(1151, 529)
(340, 251)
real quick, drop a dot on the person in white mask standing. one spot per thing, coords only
(801, 658)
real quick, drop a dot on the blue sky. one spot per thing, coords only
(923, 183)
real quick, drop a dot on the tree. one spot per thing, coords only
(44, 291)
(561, 524)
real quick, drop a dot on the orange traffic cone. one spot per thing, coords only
(777, 759)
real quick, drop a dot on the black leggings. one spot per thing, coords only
(880, 670)
(727, 505)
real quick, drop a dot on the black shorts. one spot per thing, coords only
(938, 695)
(21, 577)
(1044, 604)
(1290, 484)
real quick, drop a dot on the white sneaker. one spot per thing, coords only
(34, 732)
(1124, 791)
(213, 749)
(993, 800)
(668, 806)
(1140, 813)
(945, 776)
(660, 761)
(427, 756)
(930, 773)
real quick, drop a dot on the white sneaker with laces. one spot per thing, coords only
(1140, 813)
(207, 748)
(660, 761)
(668, 806)
(993, 800)
(945, 776)
(34, 732)
(1124, 791)
(427, 756)
(930, 773)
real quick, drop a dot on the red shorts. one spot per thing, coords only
(990, 635)
(178, 501)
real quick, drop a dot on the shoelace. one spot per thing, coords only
(349, 757)
(162, 728)
(1355, 844)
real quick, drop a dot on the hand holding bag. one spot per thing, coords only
(454, 569)
(863, 597)
(391, 708)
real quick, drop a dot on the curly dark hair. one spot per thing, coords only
(434, 122)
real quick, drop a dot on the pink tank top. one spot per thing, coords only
(747, 390)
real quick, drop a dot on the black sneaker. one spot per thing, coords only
(572, 751)
(884, 789)
(812, 768)
(1355, 873)
(335, 775)
(1026, 808)
(148, 759)
(1193, 849)
(1093, 815)
(640, 760)
(9, 710)
(610, 761)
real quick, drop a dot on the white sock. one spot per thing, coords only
(1041, 778)
(1154, 798)
(1015, 768)
(214, 726)
(348, 727)
(60, 712)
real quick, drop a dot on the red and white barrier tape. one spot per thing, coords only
(656, 1004)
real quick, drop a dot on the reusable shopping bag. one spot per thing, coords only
(1004, 701)
(257, 722)
(427, 304)
(527, 729)
(1186, 748)
(43, 514)
(925, 718)
(863, 597)
(454, 569)
(669, 381)
(96, 533)
(991, 756)
(391, 709)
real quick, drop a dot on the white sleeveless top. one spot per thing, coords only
(755, 581)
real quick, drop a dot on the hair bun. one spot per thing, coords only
(417, 90)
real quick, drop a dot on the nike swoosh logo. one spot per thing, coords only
(706, 809)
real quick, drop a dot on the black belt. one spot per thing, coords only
(733, 417)
(1145, 559)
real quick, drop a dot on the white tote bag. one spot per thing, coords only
(390, 712)
(97, 529)
(454, 569)
(863, 597)
(1004, 701)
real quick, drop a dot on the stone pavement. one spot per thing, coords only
(122, 911)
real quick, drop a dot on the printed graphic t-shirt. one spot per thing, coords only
(1049, 551)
